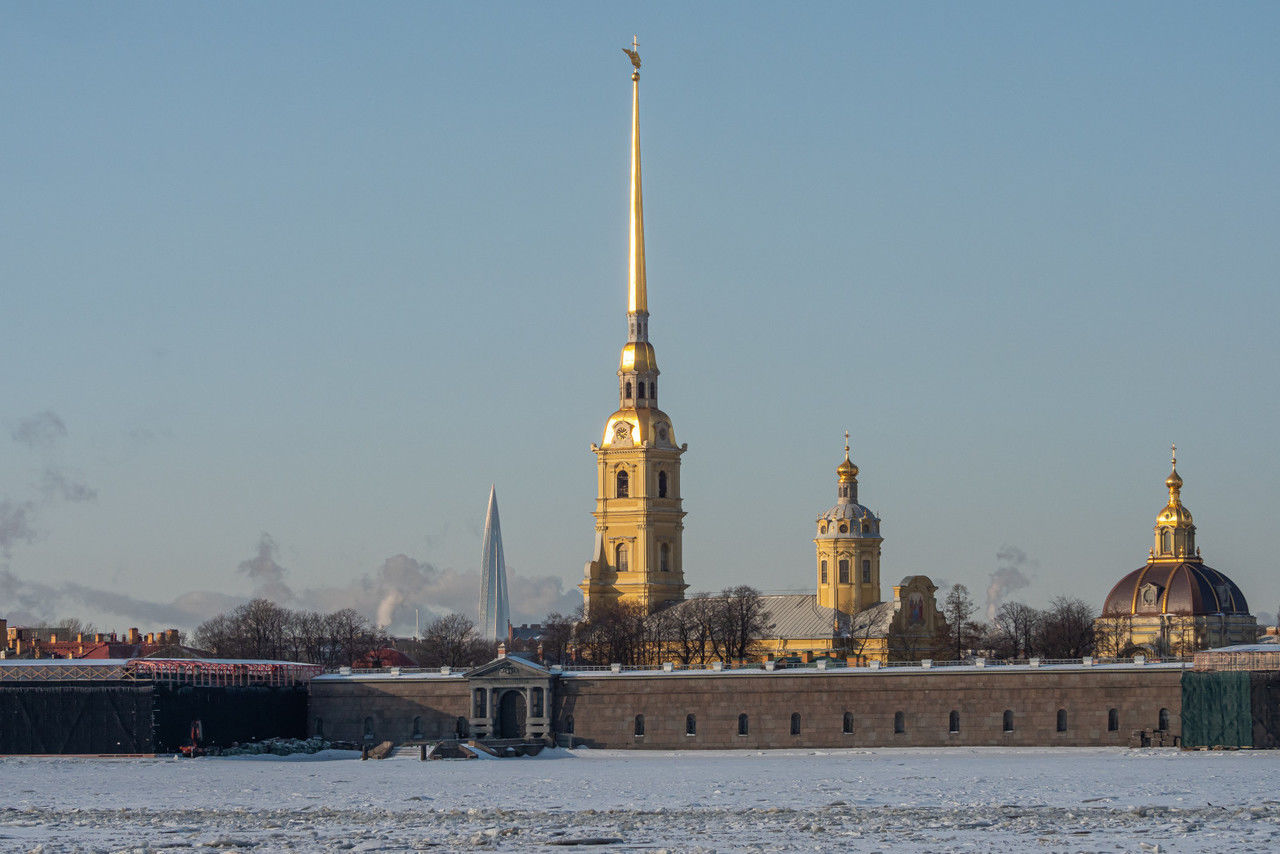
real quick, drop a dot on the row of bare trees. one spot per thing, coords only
(263, 629)
(1065, 629)
(704, 628)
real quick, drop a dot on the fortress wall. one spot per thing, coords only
(342, 704)
(604, 707)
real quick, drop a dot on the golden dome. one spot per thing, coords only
(847, 471)
(638, 356)
(635, 427)
(1174, 513)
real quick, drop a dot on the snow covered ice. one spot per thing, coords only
(948, 799)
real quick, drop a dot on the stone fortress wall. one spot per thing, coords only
(1052, 705)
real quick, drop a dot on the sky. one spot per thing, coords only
(286, 287)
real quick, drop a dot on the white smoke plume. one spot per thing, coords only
(1008, 577)
(57, 484)
(41, 433)
(41, 430)
(267, 575)
(15, 524)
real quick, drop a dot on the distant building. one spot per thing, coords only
(1176, 603)
(494, 607)
(54, 642)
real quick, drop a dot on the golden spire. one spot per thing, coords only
(637, 298)
(1174, 482)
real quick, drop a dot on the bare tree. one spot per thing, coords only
(1066, 630)
(1013, 631)
(958, 608)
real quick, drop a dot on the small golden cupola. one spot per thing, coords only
(1174, 530)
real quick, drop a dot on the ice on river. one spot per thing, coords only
(947, 799)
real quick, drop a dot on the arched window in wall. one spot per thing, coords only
(662, 484)
(1008, 720)
(899, 722)
(1113, 720)
(568, 724)
(536, 703)
(742, 724)
(795, 723)
(847, 724)
(664, 557)
(844, 571)
(640, 391)
(368, 729)
(623, 484)
(1166, 541)
(461, 728)
(417, 726)
(866, 571)
(953, 721)
(620, 557)
(1062, 720)
(690, 724)
(627, 387)
(639, 724)
(320, 727)
(823, 568)
(1163, 721)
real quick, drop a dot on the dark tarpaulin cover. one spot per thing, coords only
(76, 718)
(1216, 709)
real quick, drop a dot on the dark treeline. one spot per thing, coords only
(263, 629)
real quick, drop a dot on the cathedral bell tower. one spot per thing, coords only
(848, 546)
(637, 557)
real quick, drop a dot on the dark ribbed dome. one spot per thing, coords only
(1175, 587)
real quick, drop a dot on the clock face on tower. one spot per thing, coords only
(622, 433)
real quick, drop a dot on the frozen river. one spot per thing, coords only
(949, 799)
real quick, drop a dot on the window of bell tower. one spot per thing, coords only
(662, 484)
(640, 391)
(844, 571)
(823, 572)
(623, 484)
(866, 572)
(664, 557)
(620, 557)
(627, 389)
(1166, 541)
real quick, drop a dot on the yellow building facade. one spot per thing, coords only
(637, 556)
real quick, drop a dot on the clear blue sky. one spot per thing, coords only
(325, 271)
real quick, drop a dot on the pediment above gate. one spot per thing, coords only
(509, 667)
